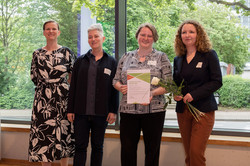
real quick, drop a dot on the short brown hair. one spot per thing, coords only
(151, 27)
(51, 21)
(202, 44)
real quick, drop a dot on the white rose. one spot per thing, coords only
(155, 81)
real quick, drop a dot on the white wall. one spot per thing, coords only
(86, 21)
(15, 145)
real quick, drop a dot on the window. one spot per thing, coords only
(166, 18)
(16, 54)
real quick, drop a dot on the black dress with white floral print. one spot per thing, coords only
(51, 134)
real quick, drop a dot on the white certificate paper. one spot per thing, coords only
(138, 82)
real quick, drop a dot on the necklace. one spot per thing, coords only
(144, 54)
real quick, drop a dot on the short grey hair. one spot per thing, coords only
(97, 27)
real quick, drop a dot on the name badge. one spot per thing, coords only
(153, 63)
(107, 71)
(199, 65)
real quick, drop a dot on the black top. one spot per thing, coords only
(106, 97)
(202, 77)
(90, 107)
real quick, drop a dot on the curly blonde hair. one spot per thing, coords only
(203, 43)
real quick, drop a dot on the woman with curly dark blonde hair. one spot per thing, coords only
(202, 43)
(198, 65)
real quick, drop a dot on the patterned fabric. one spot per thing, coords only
(51, 132)
(159, 66)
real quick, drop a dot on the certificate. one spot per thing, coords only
(138, 83)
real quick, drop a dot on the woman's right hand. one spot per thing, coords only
(178, 98)
(120, 87)
(123, 89)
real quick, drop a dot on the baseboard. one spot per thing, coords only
(24, 162)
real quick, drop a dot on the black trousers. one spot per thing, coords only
(131, 126)
(83, 126)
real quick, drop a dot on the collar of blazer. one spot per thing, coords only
(179, 61)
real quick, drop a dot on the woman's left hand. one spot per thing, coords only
(187, 98)
(111, 118)
(71, 117)
(145, 104)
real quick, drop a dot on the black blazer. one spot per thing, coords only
(107, 97)
(204, 80)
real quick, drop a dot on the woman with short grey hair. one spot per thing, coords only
(93, 101)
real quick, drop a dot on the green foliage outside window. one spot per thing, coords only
(22, 34)
(19, 96)
(235, 92)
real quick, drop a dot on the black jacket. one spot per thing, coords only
(107, 98)
(205, 79)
